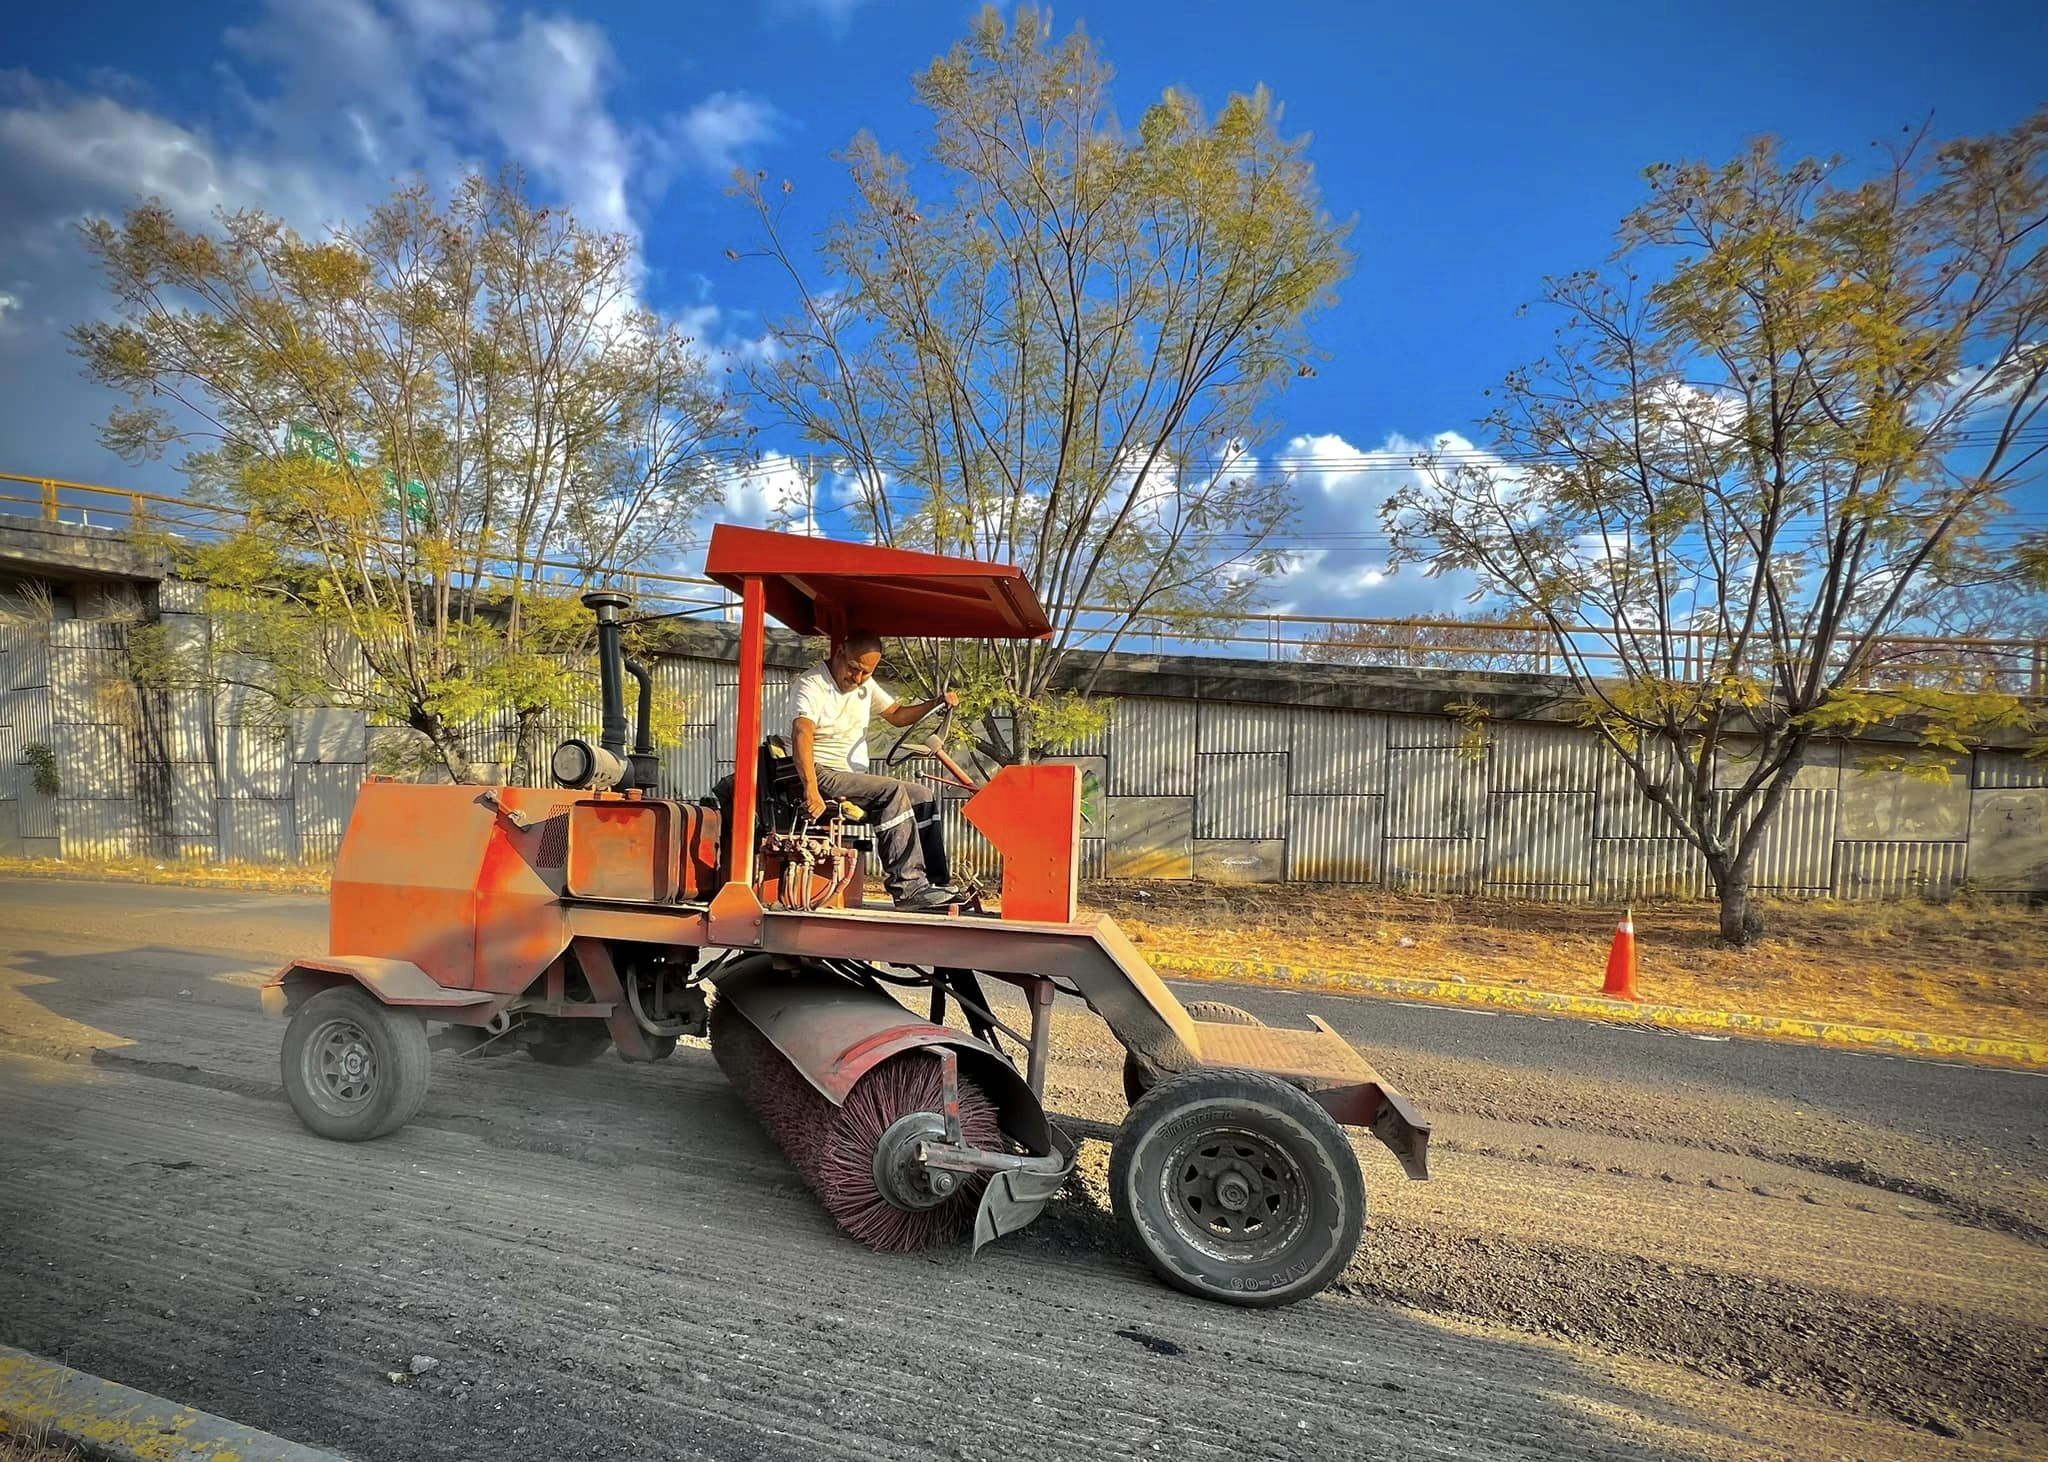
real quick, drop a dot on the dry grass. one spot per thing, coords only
(266, 877)
(34, 1445)
(1964, 968)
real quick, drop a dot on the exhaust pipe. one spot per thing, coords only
(640, 766)
(606, 604)
(576, 762)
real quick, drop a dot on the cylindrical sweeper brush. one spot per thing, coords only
(833, 1148)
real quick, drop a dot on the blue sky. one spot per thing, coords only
(1479, 147)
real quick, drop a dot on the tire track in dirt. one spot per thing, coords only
(743, 1328)
(1930, 1367)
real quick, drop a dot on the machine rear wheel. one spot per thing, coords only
(1237, 1187)
(354, 1068)
(1214, 1012)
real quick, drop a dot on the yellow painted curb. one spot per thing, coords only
(2029, 1054)
(118, 1424)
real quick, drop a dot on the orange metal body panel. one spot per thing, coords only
(446, 879)
(1033, 816)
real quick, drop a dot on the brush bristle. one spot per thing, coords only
(833, 1148)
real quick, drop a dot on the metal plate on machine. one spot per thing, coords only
(1279, 1052)
(622, 849)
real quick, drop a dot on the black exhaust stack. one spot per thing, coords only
(576, 762)
(611, 689)
(640, 766)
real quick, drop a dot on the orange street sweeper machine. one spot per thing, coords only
(564, 920)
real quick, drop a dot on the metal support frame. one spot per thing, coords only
(594, 959)
(1040, 993)
(747, 740)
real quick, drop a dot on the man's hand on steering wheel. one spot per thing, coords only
(904, 750)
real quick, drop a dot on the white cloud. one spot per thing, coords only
(724, 130)
(770, 493)
(66, 155)
(428, 85)
(318, 106)
(1341, 566)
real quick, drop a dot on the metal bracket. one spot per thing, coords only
(949, 1087)
(1018, 1193)
(490, 798)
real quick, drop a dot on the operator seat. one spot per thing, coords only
(779, 796)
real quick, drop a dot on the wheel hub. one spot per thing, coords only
(343, 1065)
(1236, 1193)
(904, 1181)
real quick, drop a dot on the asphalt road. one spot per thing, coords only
(1635, 1245)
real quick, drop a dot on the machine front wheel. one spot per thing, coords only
(1237, 1187)
(355, 1068)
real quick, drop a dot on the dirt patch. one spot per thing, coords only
(1929, 1366)
(1962, 968)
(1942, 1370)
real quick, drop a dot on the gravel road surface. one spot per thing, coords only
(1635, 1245)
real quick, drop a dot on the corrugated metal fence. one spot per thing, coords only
(1210, 789)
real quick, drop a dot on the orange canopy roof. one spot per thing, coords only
(817, 586)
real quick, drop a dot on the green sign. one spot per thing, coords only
(317, 444)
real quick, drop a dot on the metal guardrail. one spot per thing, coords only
(2018, 666)
(127, 510)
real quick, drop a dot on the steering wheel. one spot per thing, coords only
(904, 750)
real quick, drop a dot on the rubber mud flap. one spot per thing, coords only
(1012, 1200)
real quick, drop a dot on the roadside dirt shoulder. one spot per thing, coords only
(1960, 969)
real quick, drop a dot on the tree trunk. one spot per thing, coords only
(528, 759)
(1024, 735)
(445, 744)
(1741, 923)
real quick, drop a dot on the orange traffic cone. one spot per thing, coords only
(1621, 960)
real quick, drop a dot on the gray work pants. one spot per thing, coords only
(909, 838)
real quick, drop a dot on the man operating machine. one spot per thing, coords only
(830, 706)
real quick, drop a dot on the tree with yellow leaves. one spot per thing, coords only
(1050, 342)
(435, 427)
(1783, 425)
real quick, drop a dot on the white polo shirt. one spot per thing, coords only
(841, 716)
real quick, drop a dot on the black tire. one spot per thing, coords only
(1237, 1187)
(355, 1068)
(1136, 1082)
(1215, 1012)
(572, 1043)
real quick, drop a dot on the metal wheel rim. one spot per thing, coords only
(340, 1066)
(1235, 1194)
